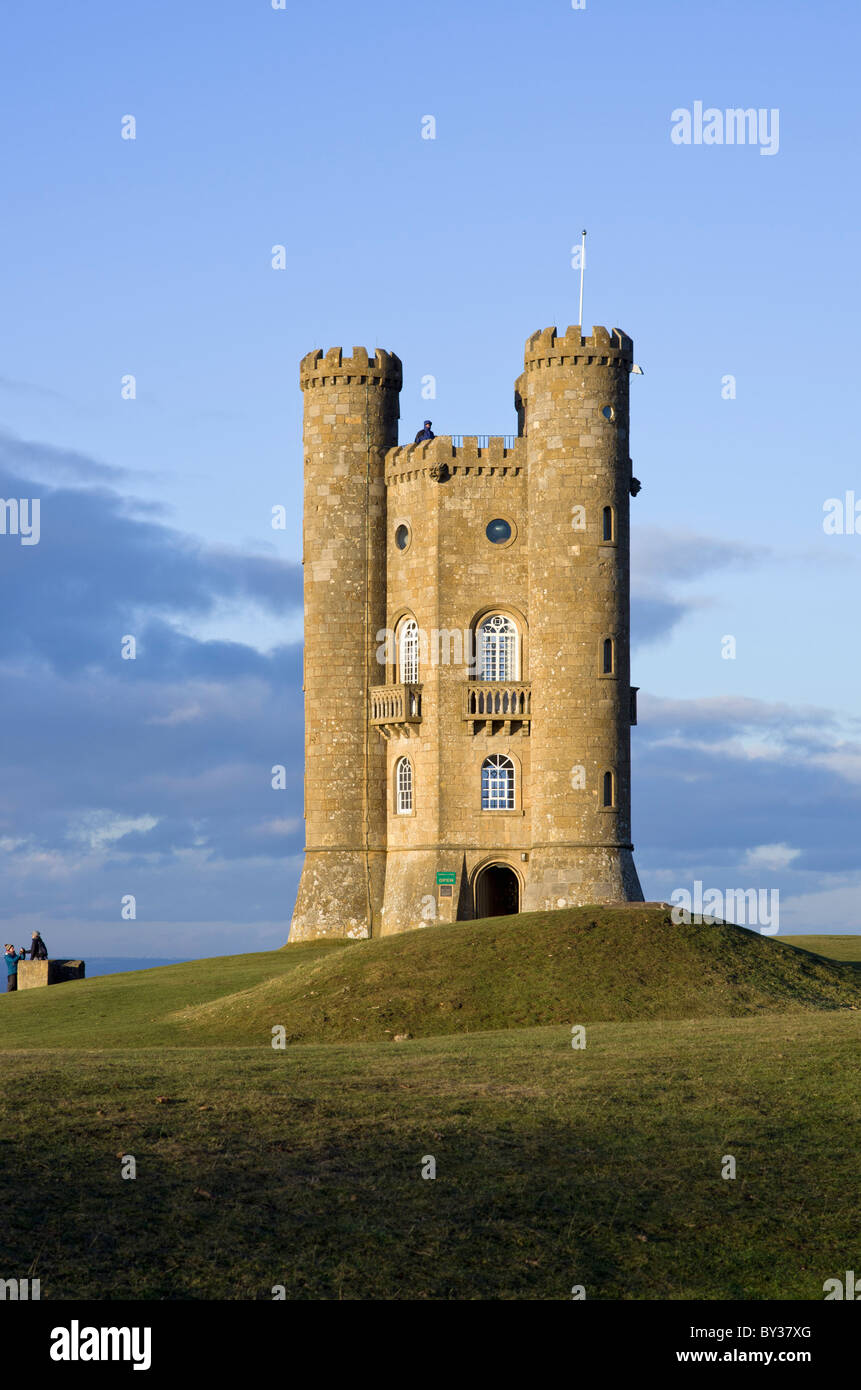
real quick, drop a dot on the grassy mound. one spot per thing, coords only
(578, 965)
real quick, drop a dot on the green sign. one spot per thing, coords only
(446, 877)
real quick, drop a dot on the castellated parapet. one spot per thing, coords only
(321, 369)
(467, 686)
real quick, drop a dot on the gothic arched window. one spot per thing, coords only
(497, 783)
(497, 649)
(408, 652)
(404, 786)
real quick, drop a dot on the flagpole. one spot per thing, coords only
(582, 269)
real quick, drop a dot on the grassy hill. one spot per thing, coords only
(138, 1007)
(556, 1165)
(573, 966)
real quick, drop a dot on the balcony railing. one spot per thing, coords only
(482, 441)
(498, 702)
(395, 709)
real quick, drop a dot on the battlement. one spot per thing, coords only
(493, 455)
(548, 348)
(323, 369)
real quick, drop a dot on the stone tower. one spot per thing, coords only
(351, 420)
(467, 691)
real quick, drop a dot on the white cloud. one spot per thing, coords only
(281, 826)
(832, 908)
(184, 714)
(44, 864)
(685, 555)
(739, 728)
(845, 761)
(248, 623)
(98, 829)
(772, 857)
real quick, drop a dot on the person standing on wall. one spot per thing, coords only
(38, 949)
(12, 959)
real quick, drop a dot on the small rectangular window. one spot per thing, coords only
(608, 524)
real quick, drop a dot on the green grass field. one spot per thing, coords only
(555, 1165)
(833, 947)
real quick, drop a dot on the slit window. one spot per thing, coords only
(609, 789)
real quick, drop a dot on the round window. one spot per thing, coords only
(498, 531)
(402, 537)
(608, 412)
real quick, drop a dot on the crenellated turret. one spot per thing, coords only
(351, 420)
(579, 473)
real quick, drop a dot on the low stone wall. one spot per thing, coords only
(34, 973)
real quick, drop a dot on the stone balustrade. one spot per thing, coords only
(395, 709)
(491, 702)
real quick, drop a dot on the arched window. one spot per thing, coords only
(408, 652)
(609, 789)
(497, 783)
(608, 665)
(608, 527)
(404, 786)
(497, 649)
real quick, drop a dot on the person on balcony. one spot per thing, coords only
(424, 434)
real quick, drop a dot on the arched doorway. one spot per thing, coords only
(497, 892)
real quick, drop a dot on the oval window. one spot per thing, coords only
(402, 537)
(498, 530)
(608, 412)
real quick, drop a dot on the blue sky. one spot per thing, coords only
(302, 127)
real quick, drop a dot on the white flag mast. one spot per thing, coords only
(582, 269)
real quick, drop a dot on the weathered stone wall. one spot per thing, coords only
(351, 413)
(449, 578)
(33, 974)
(576, 406)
